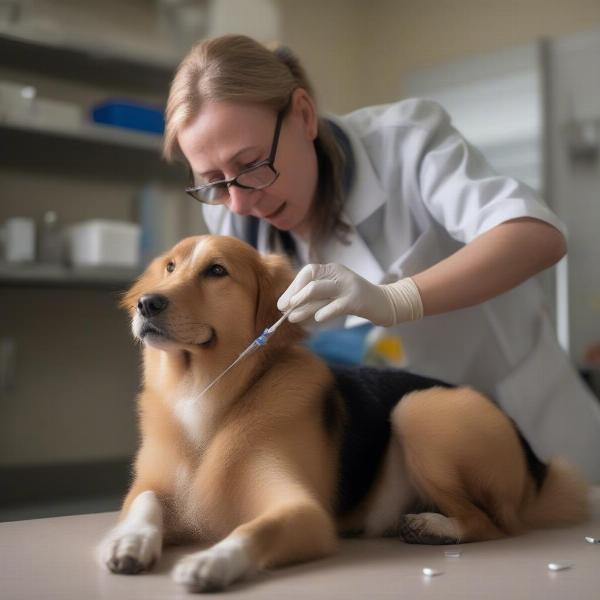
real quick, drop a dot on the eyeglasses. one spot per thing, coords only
(257, 177)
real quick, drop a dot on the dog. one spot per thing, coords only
(283, 455)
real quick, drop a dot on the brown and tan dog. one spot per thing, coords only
(281, 456)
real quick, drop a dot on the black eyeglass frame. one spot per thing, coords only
(225, 184)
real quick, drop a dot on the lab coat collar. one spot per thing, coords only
(364, 198)
(366, 194)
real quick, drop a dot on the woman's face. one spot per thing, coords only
(227, 138)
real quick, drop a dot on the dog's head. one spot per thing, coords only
(208, 292)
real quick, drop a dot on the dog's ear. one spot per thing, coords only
(274, 276)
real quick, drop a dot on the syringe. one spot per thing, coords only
(261, 340)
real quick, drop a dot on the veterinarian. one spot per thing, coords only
(396, 219)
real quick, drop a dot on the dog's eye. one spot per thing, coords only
(170, 266)
(215, 271)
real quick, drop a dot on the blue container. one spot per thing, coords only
(340, 346)
(131, 115)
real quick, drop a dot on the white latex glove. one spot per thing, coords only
(328, 291)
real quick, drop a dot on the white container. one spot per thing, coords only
(21, 104)
(103, 243)
(16, 100)
(18, 236)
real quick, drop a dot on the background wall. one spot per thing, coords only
(356, 52)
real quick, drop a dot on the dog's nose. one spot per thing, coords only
(152, 304)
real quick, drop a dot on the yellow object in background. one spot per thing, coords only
(384, 349)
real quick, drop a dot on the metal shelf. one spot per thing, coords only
(85, 149)
(88, 132)
(56, 54)
(41, 275)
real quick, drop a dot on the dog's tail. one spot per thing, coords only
(562, 500)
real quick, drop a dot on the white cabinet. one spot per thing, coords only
(574, 177)
(70, 395)
(534, 112)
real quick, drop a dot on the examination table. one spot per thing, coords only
(52, 559)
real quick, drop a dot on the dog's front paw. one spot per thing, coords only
(129, 550)
(215, 568)
(427, 528)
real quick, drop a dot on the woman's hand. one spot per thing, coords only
(328, 291)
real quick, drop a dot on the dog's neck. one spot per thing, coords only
(180, 377)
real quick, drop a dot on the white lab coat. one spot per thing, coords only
(420, 192)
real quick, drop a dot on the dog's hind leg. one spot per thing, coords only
(464, 523)
(464, 459)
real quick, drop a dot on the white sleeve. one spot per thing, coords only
(460, 189)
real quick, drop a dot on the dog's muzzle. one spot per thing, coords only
(150, 305)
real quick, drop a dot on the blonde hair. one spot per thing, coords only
(238, 68)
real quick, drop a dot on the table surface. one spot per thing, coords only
(53, 559)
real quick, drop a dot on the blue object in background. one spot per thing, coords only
(340, 346)
(131, 115)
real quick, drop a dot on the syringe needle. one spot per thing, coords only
(261, 340)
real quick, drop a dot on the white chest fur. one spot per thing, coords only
(195, 416)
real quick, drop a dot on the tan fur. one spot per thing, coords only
(266, 469)
(261, 467)
(466, 459)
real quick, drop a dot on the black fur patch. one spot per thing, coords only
(331, 418)
(369, 396)
(537, 469)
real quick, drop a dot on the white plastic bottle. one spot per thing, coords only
(51, 245)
